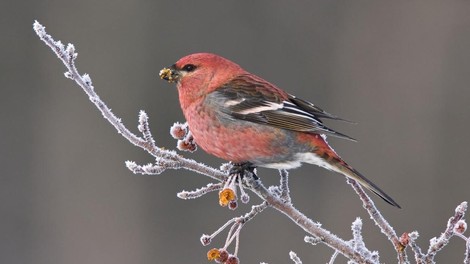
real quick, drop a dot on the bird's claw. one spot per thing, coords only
(241, 168)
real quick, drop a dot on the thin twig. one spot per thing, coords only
(333, 257)
(211, 187)
(284, 186)
(293, 256)
(419, 256)
(308, 225)
(437, 243)
(380, 221)
(466, 259)
(467, 251)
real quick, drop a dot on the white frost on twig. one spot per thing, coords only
(379, 220)
(293, 256)
(358, 241)
(313, 240)
(144, 128)
(200, 192)
(284, 186)
(333, 257)
(437, 243)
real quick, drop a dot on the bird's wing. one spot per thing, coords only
(255, 100)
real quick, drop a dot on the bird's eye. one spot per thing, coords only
(189, 67)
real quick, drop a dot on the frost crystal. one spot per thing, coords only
(293, 256)
(87, 79)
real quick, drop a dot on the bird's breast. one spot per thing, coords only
(236, 140)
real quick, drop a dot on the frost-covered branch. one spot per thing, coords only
(67, 56)
(411, 240)
(293, 256)
(456, 226)
(284, 186)
(222, 254)
(437, 243)
(380, 221)
(200, 192)
(228, 185)
(358, 242)
(309, 225)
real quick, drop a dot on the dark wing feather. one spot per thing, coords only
(313, 109)
(247, 98)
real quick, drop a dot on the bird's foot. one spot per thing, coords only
(241, 168)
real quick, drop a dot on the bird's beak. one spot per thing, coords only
(169, 74)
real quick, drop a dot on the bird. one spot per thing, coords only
(240, 117)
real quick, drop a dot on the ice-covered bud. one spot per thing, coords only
(40, 29)
(190, 139)
(375, 256)
(232, 260)
(86, 77)
(70, 48)
(460, 227)
(186, 140)
(178, 130)
(131, 165)
(245, 198)
(461, 208)
(206, 240)
(413, 235)
(71, 51)
(232, 205)
(404, 239)
(59, 46)
(184, 145)
(223, 256)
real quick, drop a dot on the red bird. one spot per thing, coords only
(239, 117)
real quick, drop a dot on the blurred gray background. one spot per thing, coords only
(400, 69)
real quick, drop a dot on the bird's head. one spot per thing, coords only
(199, 74)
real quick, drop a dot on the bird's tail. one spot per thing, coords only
(350, 172)
(335, 163)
